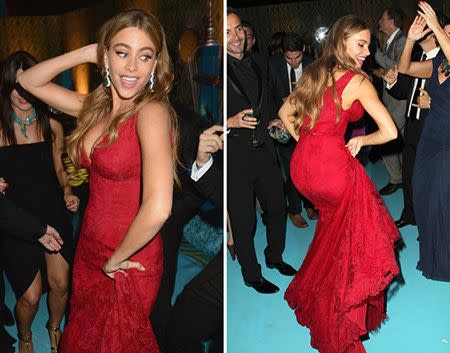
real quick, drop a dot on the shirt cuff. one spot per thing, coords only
(390, 85)
(197, 172)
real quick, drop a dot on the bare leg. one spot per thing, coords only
(25, 311)
(58, 294)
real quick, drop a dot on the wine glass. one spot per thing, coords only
(279, 133)
(254, 141)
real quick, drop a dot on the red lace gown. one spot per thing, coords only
(338, 293)
(106, 315)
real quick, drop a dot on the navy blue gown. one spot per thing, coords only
(431, 182)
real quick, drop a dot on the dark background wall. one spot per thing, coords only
(27, 28)
(304, 16)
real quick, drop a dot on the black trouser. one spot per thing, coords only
(185, 206)
(294, 198)
(197, 315)
(255, 172)
(413, 130)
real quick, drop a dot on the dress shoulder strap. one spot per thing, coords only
(342, 82)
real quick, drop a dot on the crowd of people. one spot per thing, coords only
(139, 150)
(339, 290)
(153, 163)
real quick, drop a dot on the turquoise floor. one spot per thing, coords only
(419, 313)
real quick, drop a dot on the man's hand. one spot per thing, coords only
(378, 72)
(243, 119)
(210, 141)
(276, 122)
(51, 239)
(390, 76)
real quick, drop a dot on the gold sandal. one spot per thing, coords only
(28, 342)
(53, 333)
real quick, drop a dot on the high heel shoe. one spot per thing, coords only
(53, 333)
(27, 342)
(232, 252)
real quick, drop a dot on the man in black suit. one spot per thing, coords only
(18, 223)
(407, 87)
(198, 312)
(252, 168)
(285, 69)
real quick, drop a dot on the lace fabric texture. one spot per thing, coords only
(109, 315)
(338, 293)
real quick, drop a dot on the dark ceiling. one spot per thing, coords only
(252, 3)
(43, 7)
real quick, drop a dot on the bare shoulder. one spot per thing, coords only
(357, 86)
(358, 80)
(154, 111)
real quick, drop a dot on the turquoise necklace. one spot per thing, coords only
(445, 67)
(28, 121)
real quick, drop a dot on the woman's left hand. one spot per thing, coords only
(429, 16)
(354, 145)
(424, 100)
(111, 269)
(72, 202)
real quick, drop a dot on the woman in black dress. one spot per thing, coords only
(31, 146)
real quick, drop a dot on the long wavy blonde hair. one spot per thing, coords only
(99, 103)
(307, 97)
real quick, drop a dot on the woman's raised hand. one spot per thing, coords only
(429, 16)
(417, 29)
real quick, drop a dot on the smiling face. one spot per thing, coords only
(357, 46)
(131, 59)
(19, 104)
(235, 36)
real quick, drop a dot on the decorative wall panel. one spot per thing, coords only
(48, 36)
(308, 16)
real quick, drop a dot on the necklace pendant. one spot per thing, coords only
(23, 130)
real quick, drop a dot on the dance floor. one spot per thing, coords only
(419, 312)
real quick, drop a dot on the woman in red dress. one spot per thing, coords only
(338, 293)
(126, 136)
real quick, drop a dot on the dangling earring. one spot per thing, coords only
(151, 82)
(106, 79)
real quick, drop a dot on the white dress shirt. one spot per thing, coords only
(391, 38)
(197, 172)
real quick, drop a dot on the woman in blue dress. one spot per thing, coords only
(431, 176)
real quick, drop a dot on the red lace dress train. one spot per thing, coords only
(112, 315)
(338, 293)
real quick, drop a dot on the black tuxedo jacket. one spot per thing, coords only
(403, 88)
(279, 77)
(16, 222)
(237, 103)
(208, 284)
